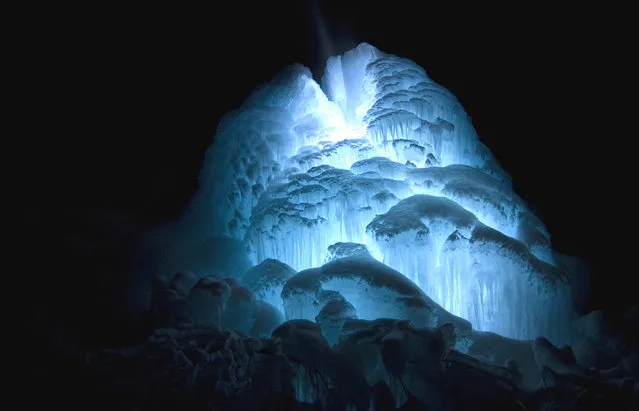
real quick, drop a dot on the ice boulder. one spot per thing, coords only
(239, 309)
(516, 354)
(332, 317)
(208, 299)
(595, 342)
(303, 342)
(266, 319)
(182, 282)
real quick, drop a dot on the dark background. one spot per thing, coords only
(127, 101)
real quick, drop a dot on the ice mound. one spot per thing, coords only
(300, 167)
(267, 279)
(373, 289)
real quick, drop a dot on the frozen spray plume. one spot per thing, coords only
(384, 161)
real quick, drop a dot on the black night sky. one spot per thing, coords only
(130, 100)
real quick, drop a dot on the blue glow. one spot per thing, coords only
(382, 156)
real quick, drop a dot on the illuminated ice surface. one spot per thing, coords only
(380, 157)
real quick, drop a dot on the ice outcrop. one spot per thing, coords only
(208, 300)
(381, 156)
(239, 309)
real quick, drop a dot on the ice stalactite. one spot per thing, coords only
(383, 157)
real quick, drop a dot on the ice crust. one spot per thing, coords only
(383, 157)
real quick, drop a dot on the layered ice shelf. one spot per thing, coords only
(384, 159)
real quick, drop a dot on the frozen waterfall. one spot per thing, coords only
(382, 156)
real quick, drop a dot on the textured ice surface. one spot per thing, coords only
(341, 250)
(381, 156)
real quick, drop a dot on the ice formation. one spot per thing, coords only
(378, 161)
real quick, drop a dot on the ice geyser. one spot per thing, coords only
(379, 156)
